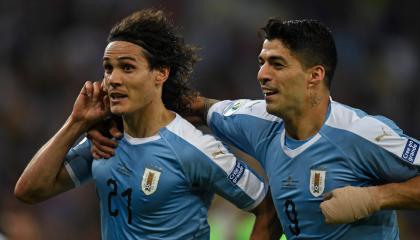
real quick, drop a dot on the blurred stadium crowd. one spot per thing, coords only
(49, 48)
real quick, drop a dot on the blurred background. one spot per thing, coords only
(49, 48)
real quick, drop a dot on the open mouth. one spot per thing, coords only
(117, 96)
(268, 92)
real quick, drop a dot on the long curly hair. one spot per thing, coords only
(164, 47)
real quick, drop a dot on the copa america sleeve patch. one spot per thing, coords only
(410, 151)
(233, 107)
(237, 172)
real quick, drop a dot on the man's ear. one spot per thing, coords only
(162, 74)
(317, 76)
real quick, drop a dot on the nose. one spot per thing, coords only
(113, 79)
(263, 75)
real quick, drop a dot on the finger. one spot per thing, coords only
(88, 88)
(102, 90)
(94, 155)
(104, 149)
(326, 210)
(105, 100)
(104, 84)
(96, 135)
(99, 153)
(327, 196)
(114, 131)
(96, 91)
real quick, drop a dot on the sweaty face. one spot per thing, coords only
(128, 79)
(282, 78)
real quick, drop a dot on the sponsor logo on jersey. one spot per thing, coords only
(381, 136)
(150, 181)
(317, 182)
(289, 183)
(252, 105)
(237, 172)
(410, 151)
(217, 153)
(122, 168)
(232, 108)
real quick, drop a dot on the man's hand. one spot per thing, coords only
(199, 109)
(104, 137)
(349, 204)
(91, 106)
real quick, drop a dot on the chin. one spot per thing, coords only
(269, 108)
(117, 111)
(272, 110)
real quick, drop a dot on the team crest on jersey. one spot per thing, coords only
(317, 182)
(233, 107)
(150, 181)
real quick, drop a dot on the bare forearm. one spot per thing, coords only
(267, 229)
(40, 179)
(404, 195)
(267, 225)
(208, 102)
(200, 107)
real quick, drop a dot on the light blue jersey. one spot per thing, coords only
(351, 148)
(161, 187)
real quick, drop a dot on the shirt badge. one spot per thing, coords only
(217, 153)
(150, 181)
(317, 182)
(233, 107)
(410, 151)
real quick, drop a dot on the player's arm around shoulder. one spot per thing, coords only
(220, 171)
(199, 109)
(45, 176)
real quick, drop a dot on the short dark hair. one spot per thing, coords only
(163, 47)
(309, 40)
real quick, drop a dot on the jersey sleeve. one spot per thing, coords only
(379, 149)
(393, 154)
(243, 123)
(78, 162)
(209, 165)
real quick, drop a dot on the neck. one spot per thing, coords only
(147, 121)
(307, 121)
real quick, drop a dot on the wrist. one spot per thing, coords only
(376, 196)
(78, 125)
(208, 103)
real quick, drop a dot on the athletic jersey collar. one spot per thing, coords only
(303, 145)
(137, 141)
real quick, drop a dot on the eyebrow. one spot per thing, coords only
(275, 58)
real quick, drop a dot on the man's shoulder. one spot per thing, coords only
(182, 129)
(244, 107)
(375, 129)
(187, 139)
(346, 117)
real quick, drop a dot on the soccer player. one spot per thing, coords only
(161, 180)
(335, 172)
(310, 145)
